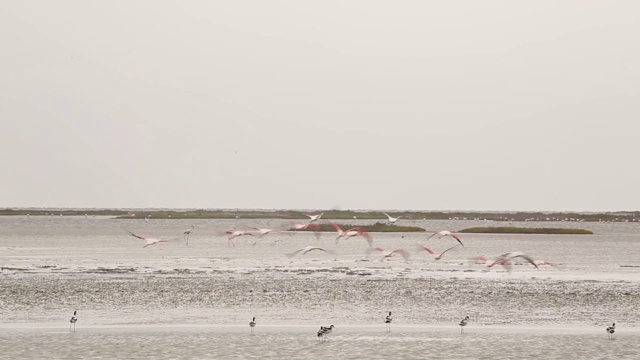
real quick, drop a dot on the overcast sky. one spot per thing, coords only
(434, 105)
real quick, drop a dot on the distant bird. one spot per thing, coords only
(150, 241)
(313, 218)
(356, 231)
(512, 255)
(186, 233)
(252, 323)
(404, 253)
(235, 234)
(463, 323)
(387, 320)
(611, 329)
(391, 219)
(324, 332)
(483, 260)
(310, 248)
(442, 233)
(296, 226)
(264, 232)
(73, 321)
(147, 218)
(436, 257)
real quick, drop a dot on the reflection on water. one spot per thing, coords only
(301, 343)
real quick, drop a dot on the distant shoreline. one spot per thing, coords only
(631, 216)
(521, 230)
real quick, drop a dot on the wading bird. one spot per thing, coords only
(310, 248)
(252, 324)
(186, 233)
(73, 321)
(324, 332)
(391, 219)
(463, 323)
(387, 320)
(611, 329)
(404, 253)
(443, 233)
(436, 257)
(150, 241)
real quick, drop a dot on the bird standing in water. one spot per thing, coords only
(73, 321)
(387, 320)
(252, 323)
(611, 329)
(463, 323)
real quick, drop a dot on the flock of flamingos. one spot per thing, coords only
(506, 260)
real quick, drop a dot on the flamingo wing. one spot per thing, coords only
(404, 253)
(134, 235)
(448, 249)
(420, 248)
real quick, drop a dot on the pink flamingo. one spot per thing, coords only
(404, 253)
(235, 234)
(150, 241)
(513, 255)
(310, 248)
(436, 257)
(483, 260)
(356, 231)
(442, 233)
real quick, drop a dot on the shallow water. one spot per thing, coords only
(175, 301)
(300, 342)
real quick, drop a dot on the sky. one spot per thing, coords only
(413, 105)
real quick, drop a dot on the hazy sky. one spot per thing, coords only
(434, 105)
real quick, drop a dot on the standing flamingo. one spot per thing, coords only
(442, 233)
(187, 233)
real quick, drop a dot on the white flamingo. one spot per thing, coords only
(402, 252)
(309, 248)
(436, 257)
(313, 218)
(443, 233)
(391, 219)
(356, 231)
(264, 232)
(186, 233)
(235, 234)
(149, 241)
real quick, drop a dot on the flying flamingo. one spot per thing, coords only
(404, 253)
(150, 241)
(186, 233)
(542, 262)
(442, 233)
(313, 218)
(391, 219)
(296, 226)
(264, 232)
(310, 248)
(512, 255)
(436, 257)
(483, 260)
(235, 233)
(356, 231)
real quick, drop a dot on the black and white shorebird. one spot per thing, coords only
(252, 323)
(611, 329)
(387, 320)
(324, 332)
(73, 320)
(463, 323)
